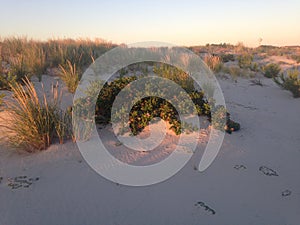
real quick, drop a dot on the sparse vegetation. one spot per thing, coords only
(245, 61)
(213, 62)
(291, 82)
(227, 58)
(296, 58)
(84, 113)
(21, 57)
(257, 82)
(254, 67)
(174, 74)
(236, 71)
(271, 70)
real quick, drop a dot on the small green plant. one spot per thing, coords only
(63, 125)
(107, 96)
(233, 71)
(70, 75)
(271, 70)
(254, 67)
(227, 58)
(85, 114)
(291, 82)
(221, 120)
(6, 80)
(2, 95)
(245, 61)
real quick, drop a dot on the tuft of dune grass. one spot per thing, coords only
(31, 121)
(70, 75)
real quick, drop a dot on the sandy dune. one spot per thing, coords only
(254, 179)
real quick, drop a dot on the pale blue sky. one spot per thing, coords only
(188, 22)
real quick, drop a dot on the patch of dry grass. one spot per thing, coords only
(70, 75)
(32, 121)
(213, 62)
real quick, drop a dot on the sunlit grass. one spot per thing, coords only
(213, 62)
(32, 121)
(70, 75)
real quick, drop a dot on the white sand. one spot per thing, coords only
(70, 192)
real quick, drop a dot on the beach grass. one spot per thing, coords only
(33, 122)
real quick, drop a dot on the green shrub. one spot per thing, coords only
(148, 108)
(291, 82)
(227, 58)
(234, 71)
(174, 74)
(84, 112)
(232, 126)
(107, 96)
(6, 80)
(245, 61)
(221, 120)
(254, 67)
(271, 70)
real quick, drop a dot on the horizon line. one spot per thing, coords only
(94, 39)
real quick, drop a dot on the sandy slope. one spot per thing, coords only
(235, 186)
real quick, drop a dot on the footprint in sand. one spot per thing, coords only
(205, 207)
(240, 167)
(267, 171)
(21, 182)
(286, 193)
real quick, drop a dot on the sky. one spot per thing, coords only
(185, 22)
